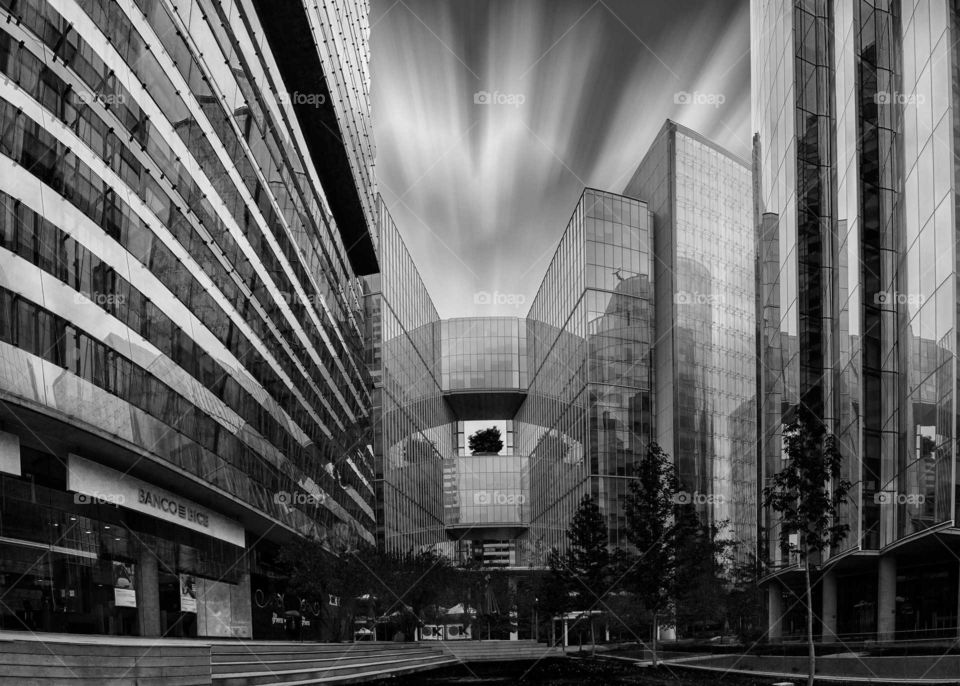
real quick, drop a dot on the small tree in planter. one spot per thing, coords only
(808, 494)
(486, 441)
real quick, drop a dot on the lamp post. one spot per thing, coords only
(536, 626)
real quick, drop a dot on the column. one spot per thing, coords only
(148, 593)
(774, 612)
(828, 616)
(887, 598)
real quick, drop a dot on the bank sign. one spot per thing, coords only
(100, 483)
(159, 500)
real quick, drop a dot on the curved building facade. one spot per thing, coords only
(588, 415)
(573, 380)
(181, 317)
(642, 329)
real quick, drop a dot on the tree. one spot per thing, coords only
(745, 599)
(681, 560)
(492, 592)
(649, 509)
(408, 583)
(398, 585)
(552, 595)
(701, 557)
(584, 569)
(312, 573)
(623, 604)
(486, 441)
(807, 494)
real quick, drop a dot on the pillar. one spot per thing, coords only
(828, 615)
(566, 632)
(774, 612)
(148, 593)
(887, 598)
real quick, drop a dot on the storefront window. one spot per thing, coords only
(71, 564)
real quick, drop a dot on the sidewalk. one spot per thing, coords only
(94, 660)
(843, 668)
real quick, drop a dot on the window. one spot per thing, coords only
(6, 316)
(50, 337)
(26, 334)
(48, 247)
(26, 231)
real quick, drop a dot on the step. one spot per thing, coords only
(241, 655)
(287, 676)
(372, 675)
(367, 646)
(33, 662)
(264, 663)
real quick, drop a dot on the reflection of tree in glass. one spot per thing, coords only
(417, 450)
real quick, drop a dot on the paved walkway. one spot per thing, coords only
(52, 659)
(841, 668)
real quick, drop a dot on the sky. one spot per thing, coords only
(491, 116)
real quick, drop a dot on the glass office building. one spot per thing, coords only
(413, 423)
(705, 350)
(588, 414)
(182, 369)
(855, 111)
(486, 508)
(597, 370)
(573, 381)
(483, 353)
(432, 375)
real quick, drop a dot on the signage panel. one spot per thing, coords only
(103, 484)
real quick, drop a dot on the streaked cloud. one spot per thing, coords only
(482, 191)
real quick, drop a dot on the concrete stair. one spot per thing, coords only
(269, 664)
(58, 659)
(106, 663)
(484, 651)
